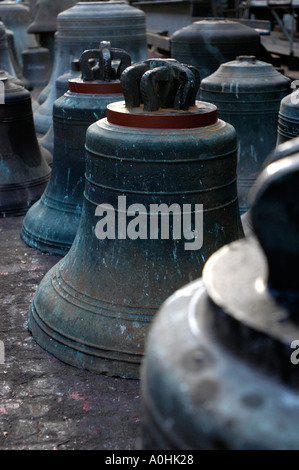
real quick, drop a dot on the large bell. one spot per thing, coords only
(45, 21)
(208, 43)
(221, 364)
(24, 170)
(288, 118)
(83, 27)
(247, 93)
(51, 224)
(16, 16)
(160, 197)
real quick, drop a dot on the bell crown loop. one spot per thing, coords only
(103, 70)
(98, 75)
(160, 83)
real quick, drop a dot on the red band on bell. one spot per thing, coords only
(202, 115)
(94, 88)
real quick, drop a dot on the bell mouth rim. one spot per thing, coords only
(94, 87)
(201, 115)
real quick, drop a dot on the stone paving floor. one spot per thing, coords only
(44, 403)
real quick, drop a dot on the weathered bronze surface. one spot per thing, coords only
(247, 93)
(24, 171)
(83, 27)
(45, 21)
(46, 11)
(16, 17)
(62, 86)
(221, 370)
(286, 149)
(208, 43)
(37, 65)
(93, 309)
(288, 118)
(51, 224)
(7, 58)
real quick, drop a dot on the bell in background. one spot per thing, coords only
(208, 43)
(24, 170)
(16, 16)
(37, 66)
(51, 224)
(220, 369)
(247, 93)
(15, 61)
(288, 117)
(7, 56)
(62, 86)
(160, 197)
(44, 23)
(83, 27)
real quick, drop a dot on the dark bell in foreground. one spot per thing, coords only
(221, 360)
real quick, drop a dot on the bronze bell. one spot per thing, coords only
(288, 119)
(37, 65)
(210, 42)
(16, 16)
(221, 363)
(45, 21)
(83, 27)
(7, 61)
(247, 93)
(51, 224)
(62, 86)
(160, 197)
(15, 60)
(46, 12)
(24, 170)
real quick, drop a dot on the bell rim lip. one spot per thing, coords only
(118, 114)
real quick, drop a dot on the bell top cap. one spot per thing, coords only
(13, 91)
(246, 73)
(215, 31)
(289, 105)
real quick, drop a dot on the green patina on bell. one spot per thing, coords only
(24, 170)
(210, 42)
(160, 197)
(51, 224)
(247, 93)
(83, 27)
(288, 117)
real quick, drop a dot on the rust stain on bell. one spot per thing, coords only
(160, 197)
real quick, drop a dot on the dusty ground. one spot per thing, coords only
(44, 403)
